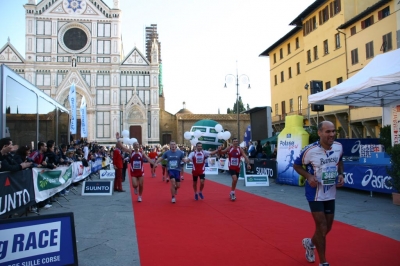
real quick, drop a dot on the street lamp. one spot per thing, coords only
(237, 77)
(308, 105)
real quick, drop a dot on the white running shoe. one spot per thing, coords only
(139, 199)
(307, 244)
(135, 191)
(173, 200)
(233, 196)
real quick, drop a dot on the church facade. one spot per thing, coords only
(79, 42)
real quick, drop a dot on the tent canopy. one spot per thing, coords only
(272, 140)
(377, 84)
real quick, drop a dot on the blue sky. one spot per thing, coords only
(200, 41)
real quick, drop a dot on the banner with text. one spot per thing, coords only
(16, 192)
(38, 240)
(48, 182)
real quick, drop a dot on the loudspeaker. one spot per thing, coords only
(315, 87)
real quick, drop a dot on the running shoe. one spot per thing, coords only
(196, 197)
(139, 199)
(173, 200)
(307, 244)
(182, 178)
(325, 264)
(135, 191)
(201, 195)
(167, 180)
(233, 197)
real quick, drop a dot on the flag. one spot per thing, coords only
(83, 118)
(72, 102)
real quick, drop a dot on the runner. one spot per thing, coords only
(234, 155)
(164, 165)
(173, 157)
(153, 156)
(324, 172)
(136, 167)
(198, 157)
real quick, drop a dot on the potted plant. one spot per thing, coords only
(394, 172)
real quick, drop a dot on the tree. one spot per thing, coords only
(241, 107)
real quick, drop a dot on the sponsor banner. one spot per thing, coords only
(72, 103)
(256, 180)
(96, 165)
(211, 171)
(265, 167)
(395, 132)
(289, 148)
(223, 164)
(367, 177)
(84, 133)
(107, 174)
(48, 182)
(367, 150)
(98, 188)
(351, 147)
(16, 192)
(38, 240)
(79, 172)
(189, 166)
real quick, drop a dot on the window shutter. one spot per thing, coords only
(320, 17)
(389, 41)
(331, 8)
(363, 24)
(339, 7)
(380, 15)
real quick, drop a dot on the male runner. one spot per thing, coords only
(173, 157)
(324, 172)
(198, 157)
(136, 166)
(164, 165)
(234, 155)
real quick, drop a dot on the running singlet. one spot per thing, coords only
(136, 163)
(322, 164)
(174, 159)
(199, 160)
(234, 159)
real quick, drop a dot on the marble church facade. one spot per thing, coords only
(79, 41)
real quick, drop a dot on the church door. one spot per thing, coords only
(166, 139)
(136, 132)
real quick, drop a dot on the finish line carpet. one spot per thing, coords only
(250, 231)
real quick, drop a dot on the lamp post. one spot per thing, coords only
(237, 77)
(308, 104)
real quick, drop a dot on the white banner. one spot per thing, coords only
(83, 118)
(48, 182)
(79, 172)
(72, 102)
(395, 124)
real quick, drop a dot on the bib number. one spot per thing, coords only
(329, 175)
(137, 165)
(199, 159)
(173, 164)
(235, 161)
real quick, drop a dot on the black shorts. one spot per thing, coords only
(233, 172)
(328, 207)
(202, 177)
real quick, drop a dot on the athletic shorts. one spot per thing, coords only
(328, 207)
(175, 174)
(202, 177)
(233, 172)
(137, 175)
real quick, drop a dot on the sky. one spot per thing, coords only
(202, 42)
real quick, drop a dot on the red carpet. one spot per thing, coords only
(251, 231)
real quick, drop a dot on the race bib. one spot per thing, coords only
(137, 165)
(199, 159)
(235, 161)
(329, 175)
(173, 164)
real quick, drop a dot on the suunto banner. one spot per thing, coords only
(16, 191)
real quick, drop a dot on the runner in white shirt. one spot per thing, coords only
(324, 172)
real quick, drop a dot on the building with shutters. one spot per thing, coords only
(330, 42)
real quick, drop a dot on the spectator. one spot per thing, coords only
(38, 155)
(252, 150)
(259, 149)
(8, 162)
(267, 150)
(22, 155)
(62, 155)
(50, 156)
